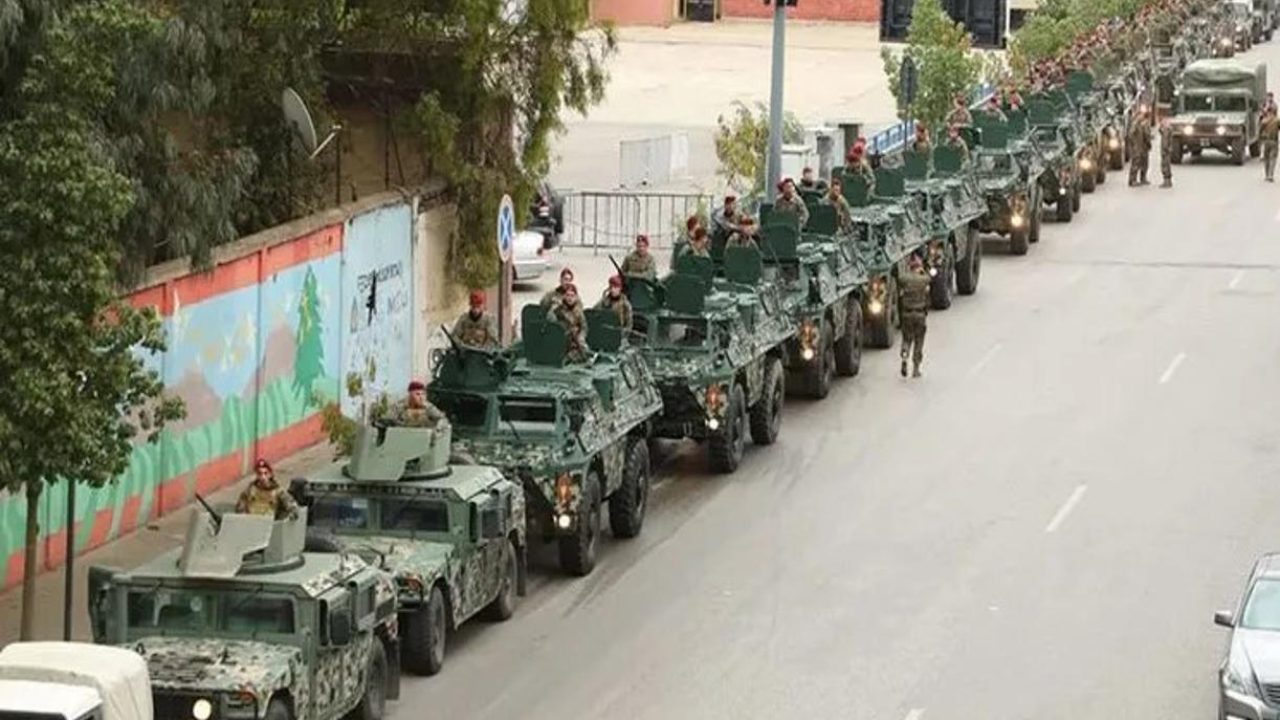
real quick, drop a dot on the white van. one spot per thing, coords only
(73, 681)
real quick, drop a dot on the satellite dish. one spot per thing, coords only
(297, 115)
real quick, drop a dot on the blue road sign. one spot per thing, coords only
(506, 228)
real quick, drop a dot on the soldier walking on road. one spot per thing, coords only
(1166, 153)
(475, 327)
(1269, 133)
(264, 496)
(1140, 149)
(913, 301)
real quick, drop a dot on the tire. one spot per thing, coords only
(1237, 153)
(1100, 173)
(969, 271)
(1064, 209)
(425, 635)
(320, 541)
(726, 445)
(880, 327)
(628, 503)
(1197, 152)
(1075, 199)
(1087, 183)
(578, 551)
(278, 710)
(1034, 219)
(819, 372)
(766, 414)
(1117, 160)
(374, 703)
(849, 347)
(940, 285)
(503, 605)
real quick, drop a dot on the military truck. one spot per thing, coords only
(1056, 138)
(453, 536)
(890, 226)
(948, 189)
(1008, 179)
(574, 434)
(1219, 108)
(821, 278)
(73, 681)
(717, 348)
(241, 622)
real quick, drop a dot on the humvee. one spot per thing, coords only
(241, 622)
(452, 535)
(573, 434)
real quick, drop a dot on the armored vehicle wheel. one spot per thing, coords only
(849, 347)
(627, 504)
(374, 703)
(725, 446)
(1034, 235)
(578, 551)
(424, 636)
(1117, 160)
(969, 271)
(1100, 172)
(818, 373)
(1255, 149)
(880, 327)
(278, 710)
(1087, 182)
(1019, 240)
(1237, 152)
(319, 541)
(941, 285)
(504, 604)
(1197, 152)
(1075, 198)
(766, 414)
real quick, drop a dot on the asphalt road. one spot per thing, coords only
(1041, 527)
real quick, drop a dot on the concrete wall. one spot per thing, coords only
(256, 346)
(841, 10)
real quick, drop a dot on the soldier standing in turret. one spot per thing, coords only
(568, 313)
(475, 327)
(955, 141)
(913, 288)
(416, 410)
(745, 235)
(264, 496)
(960, 114)
(616, 300)
(992, 109)
(639, 262)
(856, 164)
(789, 202)
(921, 144)
(552, 298)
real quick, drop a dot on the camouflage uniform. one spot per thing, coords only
(723, 224)
(961, 146)
(637, 265)
(1269, 133)
(843, 212)
(272, 501)
(691, 249)
(552, 298)
(922, 147)
(480, 332)
(574, 322)
(862, 168)
(793, 205)
(960, 116)
(995, 113)
(621, 307)
(426, 416)
(742, 239)
(1140, 147)
(914, 304)
(1166, 155)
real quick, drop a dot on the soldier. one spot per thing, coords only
(856, 164)
(1140, 150)
(992, 109)
(264, 496)
(616, 300)
(960, 114)
(790, 202)
(835, 198)
(700, 245)
(913, 299)
(1166, 153)
(416, 410)
(552, 298)
(681, 245)
(475, 327)
(568, 313)
(1270, 104)
(639, 263)
(921, 144)
(726, 218)
(745, 235)
(955, 141)
(809, 182)
(1269, 133)
(1012, 99)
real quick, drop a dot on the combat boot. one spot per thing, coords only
(915, 371)
(904, 367)
(1167, 183)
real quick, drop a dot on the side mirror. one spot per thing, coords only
(99, 594)
(1224, 619)
(490, 524)
(340, 627)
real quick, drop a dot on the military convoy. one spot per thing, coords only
(1218, 108)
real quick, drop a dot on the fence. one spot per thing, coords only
(608, 219)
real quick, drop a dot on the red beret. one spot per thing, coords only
(730, 198)
(566, 273)
(615, 281)
(642, 238)
(262, 464)
(416, 385)
(691, 223)
(477, 297)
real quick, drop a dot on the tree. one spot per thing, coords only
(742, 142)
(76, 389)
(945, 65)
(308, 360)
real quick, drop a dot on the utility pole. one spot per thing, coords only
(773, 168)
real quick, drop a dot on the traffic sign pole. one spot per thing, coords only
(506, 245)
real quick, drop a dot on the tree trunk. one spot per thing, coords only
(29, 563)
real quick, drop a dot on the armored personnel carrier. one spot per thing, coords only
(1055, 134)
(453, 536)
(240, 622)
(716, 346)
(948, 188)
(573, 434)
(1008, 182)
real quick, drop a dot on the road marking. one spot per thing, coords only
(1235, 280)
(1066, 508)
(985, 359)
(915, 714)
(1173, 368)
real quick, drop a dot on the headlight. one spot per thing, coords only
(808, 337)
(1016, 220)
(1222, 129)
(1238, 680)
(202, 709)
(1086, 164)
(564, 521)
(1062, 191)
(713, 424)
(1114, 143)
(1188, 130)
(876, 307)
(933, 272)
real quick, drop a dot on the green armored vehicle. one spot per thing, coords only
(453, 536)
(1008, 174)
(242, 623)
(821, 278)
(890, 226)
(1093, 116)
(716, 346)
(1219, 108)
(954, 203)
(573, 434)
(1055, 136)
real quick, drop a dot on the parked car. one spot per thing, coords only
(1249, 674)
(546, 215)
(529, 255)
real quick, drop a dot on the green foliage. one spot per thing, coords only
(742, 144)
(945, 64)
(308, 361)
(341, 429)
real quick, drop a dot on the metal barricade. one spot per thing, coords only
(612, 219)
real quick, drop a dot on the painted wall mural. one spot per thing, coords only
(256, 347)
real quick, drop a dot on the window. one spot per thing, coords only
(535, 414)
(1262, 611)
(1232, 104)
(1197, 103)
(464, 410)
(252, 614)
(413, 515)
(336, 511)
(242, 612)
